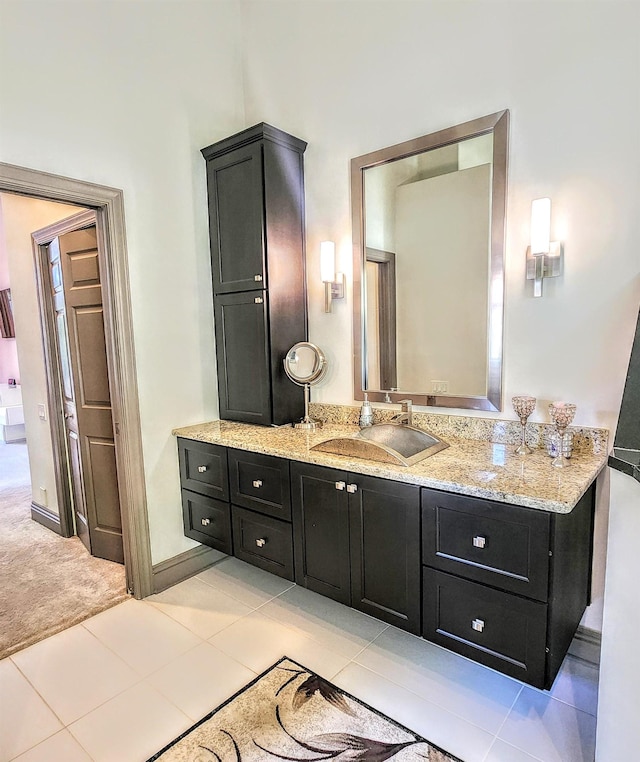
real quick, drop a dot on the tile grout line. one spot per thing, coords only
(506, 717)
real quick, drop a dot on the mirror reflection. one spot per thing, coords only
(430, 216)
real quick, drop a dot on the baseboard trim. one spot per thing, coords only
(586, 645)
(47, 518)
(183, 566)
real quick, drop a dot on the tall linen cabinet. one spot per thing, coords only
(255, 183)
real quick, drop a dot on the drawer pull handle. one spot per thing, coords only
(258, 300)
(340, 485)
(257, 278)
(205, 522)
(477, 625)
(257, 483)
(201, 469)
(261, 542)
(479, 542)
(352, 488)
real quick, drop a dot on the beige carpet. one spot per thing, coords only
(291, 713)
(47, 583)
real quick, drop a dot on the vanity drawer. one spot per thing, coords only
(501, 545)
(203, 468)
(263, 541)
(207, 520)
(500, 630)
(261, 483)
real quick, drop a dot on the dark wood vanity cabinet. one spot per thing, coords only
(239, 503)
(255, 188)
(204, 480)
(500, 584)
(357, 540)
(505, 585)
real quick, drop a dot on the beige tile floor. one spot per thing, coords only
(121, 685)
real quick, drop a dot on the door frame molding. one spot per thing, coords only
(108, 206)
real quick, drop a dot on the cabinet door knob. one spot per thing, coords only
(352, 488)
(258, 300)
(477, 625)
(340, 485)
(257, 483)
(261, 542)
(201, 469)
(257, 278)
(205, 522)
(479, 542)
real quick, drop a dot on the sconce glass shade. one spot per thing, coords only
(327, 261)
(540, 225)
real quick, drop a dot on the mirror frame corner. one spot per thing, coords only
(498, 125)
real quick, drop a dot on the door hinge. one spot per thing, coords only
(116, 428)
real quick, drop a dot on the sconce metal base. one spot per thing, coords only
(333, 291)
(543, 266)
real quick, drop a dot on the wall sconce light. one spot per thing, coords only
(333, 281)
(544, 257)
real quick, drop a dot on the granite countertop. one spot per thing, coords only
(470, 467)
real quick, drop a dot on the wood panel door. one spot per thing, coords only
(236, 220)
(242, 348)
(385, 550)
(86, 401)
(321, 530)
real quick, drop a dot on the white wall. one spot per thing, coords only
(125, 94)
(351, 77)
(618, 694)
(21, 216)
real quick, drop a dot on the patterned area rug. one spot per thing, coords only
(291, 713)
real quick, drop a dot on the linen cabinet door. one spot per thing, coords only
(385, 550)
(242, 348)
(236, 220)
(320, 511)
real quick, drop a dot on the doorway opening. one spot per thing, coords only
(106, 205)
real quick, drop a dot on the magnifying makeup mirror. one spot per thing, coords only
(306, 365)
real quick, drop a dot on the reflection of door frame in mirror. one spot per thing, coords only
(498, 125)
(387, 353)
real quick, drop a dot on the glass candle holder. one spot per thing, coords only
(562, 414)
(523, 405)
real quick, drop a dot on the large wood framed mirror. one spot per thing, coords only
(428, 262)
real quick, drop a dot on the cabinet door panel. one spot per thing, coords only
(263, 541)
(260, 482)
(203, 468)
(236, 220)
(500, 545)
(385, 550)
(498, 629)
(321, 530)
(242, 348)
(207, 520)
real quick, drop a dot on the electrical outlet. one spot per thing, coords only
(42, 412)
(439, 387)
(43, 496)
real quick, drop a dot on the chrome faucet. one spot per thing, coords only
(405, 417)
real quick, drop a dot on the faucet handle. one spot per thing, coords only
(406, 405)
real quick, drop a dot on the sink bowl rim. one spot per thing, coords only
(336, 446)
